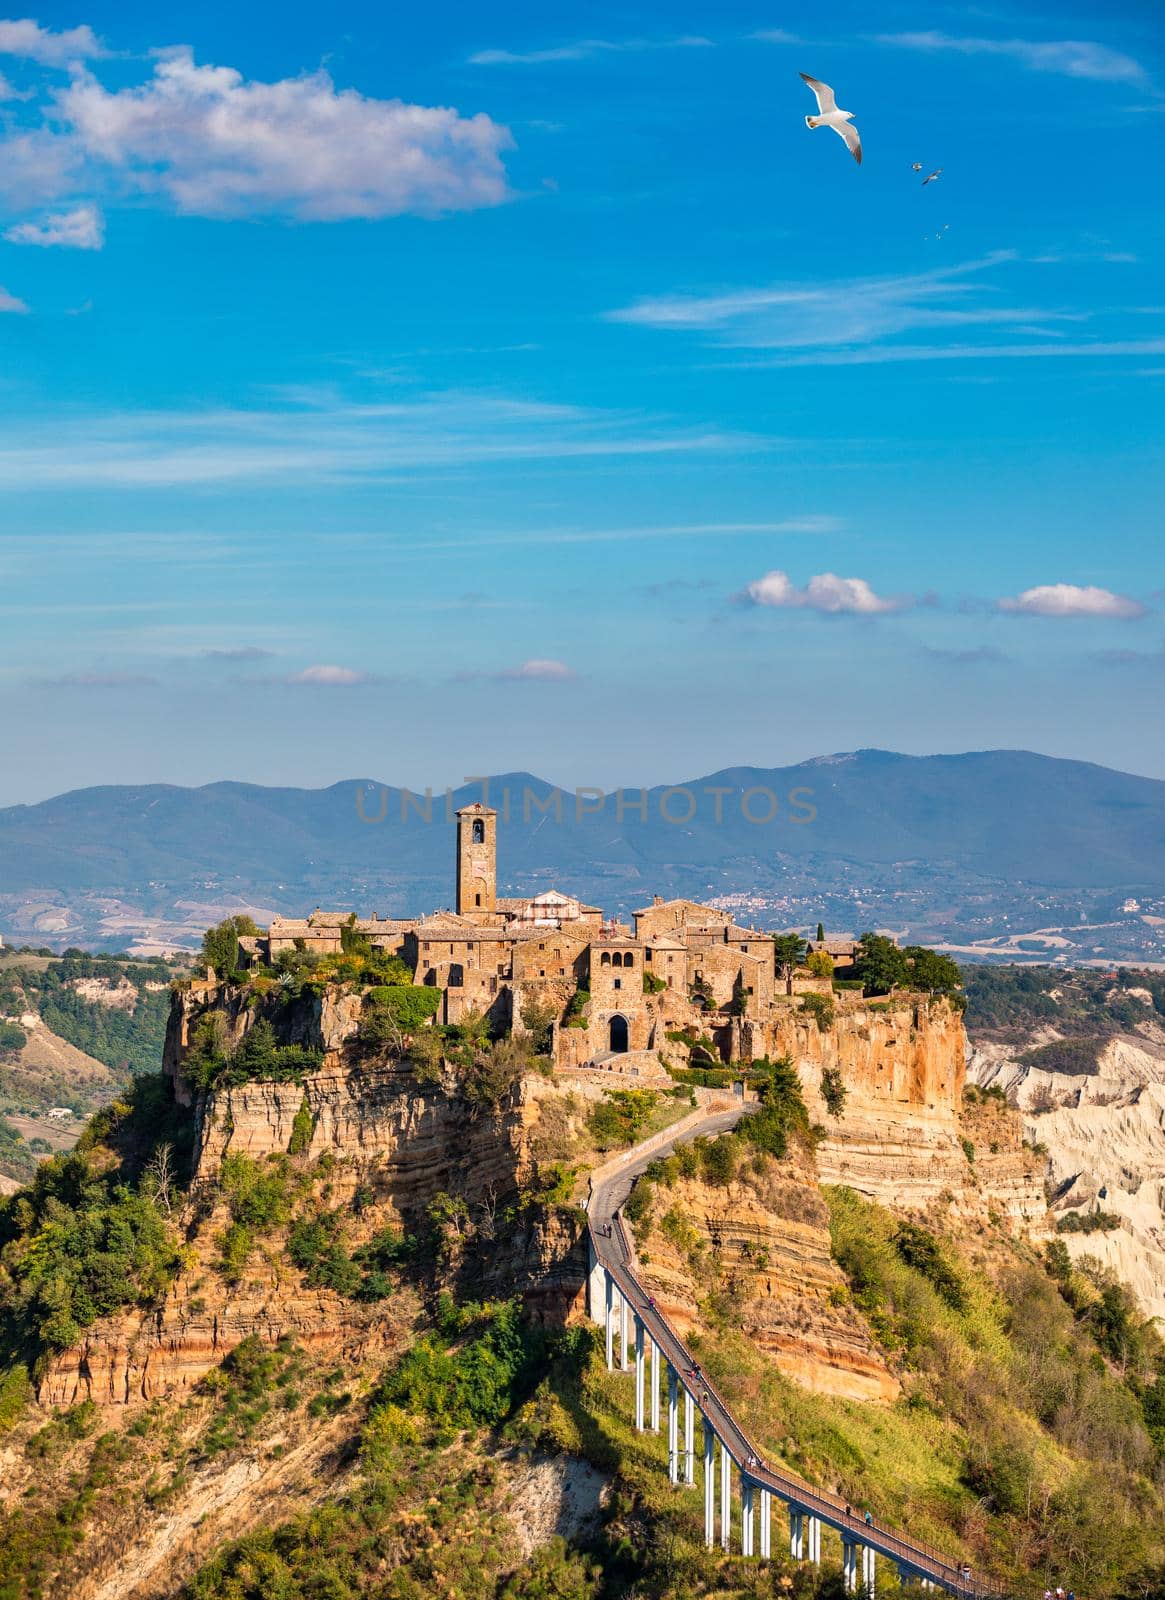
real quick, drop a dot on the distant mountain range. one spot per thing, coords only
(953, 846)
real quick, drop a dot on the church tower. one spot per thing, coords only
(477, 856)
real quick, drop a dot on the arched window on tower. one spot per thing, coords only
(478, 831)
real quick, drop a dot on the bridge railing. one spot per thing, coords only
(800, 1493)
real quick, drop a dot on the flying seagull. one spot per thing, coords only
(916, 166)
(937, 173)
(831, 117)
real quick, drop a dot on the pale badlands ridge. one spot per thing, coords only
(1101, 1132)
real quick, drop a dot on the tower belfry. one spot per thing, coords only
(477, 856)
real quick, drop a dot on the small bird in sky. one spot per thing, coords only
(916, 166)
(830, 117)
(937, 173)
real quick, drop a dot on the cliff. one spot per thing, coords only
(758, 1250)
(904, 1136)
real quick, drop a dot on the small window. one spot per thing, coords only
(629, 959)
(478, 831)
(647, 955)
(456, 975)
(618, 983)
(542, 972)
(604, 959)
(477, 899)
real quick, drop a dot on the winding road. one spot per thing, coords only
(612, 1248)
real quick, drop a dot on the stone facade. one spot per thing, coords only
(611, 989)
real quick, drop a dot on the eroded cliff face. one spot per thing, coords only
(761, 1245)
(904, 1137)
(1102, 1131)
(385, 1142)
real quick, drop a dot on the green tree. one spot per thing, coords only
(881, 965)
(788, 954)
(220, 944)
(820, 932)
(935, 973)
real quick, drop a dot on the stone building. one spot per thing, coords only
(612, 989)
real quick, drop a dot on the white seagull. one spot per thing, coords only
(937, 173)
(831, 117)
(916, 166)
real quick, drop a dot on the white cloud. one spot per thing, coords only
(540, 670)
(580, 49)
(28, 39)
(1075, 58)
(776, 36)
(212, 143)
(242, 652)
(333, 442)
(825, 592)
(9, 302)
(82, 228)
(1072, 600)
(329, 676)
(855, 311)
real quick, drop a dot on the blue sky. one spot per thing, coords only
(414, 395)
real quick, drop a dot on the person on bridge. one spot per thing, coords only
(869, 1520)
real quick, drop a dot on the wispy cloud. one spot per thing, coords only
(862, 321)
(824, 592)
(581, 49)
(539, 669)
(1075, 58)
(207, 141)
(968, 352)
(1072, 600)
(29, 40)
(329, 677)
(9, 302)
(974, 655)
(82, 228)
(98, 680)
(855, 311)
(333, 442)
(242, 652)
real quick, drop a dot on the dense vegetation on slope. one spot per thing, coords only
(127, 1039)
(1010, 1003)
(92, 1233)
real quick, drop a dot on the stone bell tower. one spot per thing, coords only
(477, 860)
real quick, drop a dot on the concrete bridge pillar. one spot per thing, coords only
(796, 1533)
(746, 1532)
(673, 1424)
(623, 1340)
(596, 1283)
(849, 1564)
(869, 1571)
(640, 1375)
(725, 1498)
(709, 1486)
(814, 1550)
(766, 1523)
(689, 1438)
(610, 1299)
(654, 1387)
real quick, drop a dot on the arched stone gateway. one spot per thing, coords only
(618, 1035)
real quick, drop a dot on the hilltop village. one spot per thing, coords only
(615, 990)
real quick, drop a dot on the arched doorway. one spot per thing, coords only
(618, 1028)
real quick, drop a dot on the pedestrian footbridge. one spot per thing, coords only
(639, 1338)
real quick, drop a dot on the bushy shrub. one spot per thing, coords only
(621, 1117)
(821, 1008)
(399, 1006)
